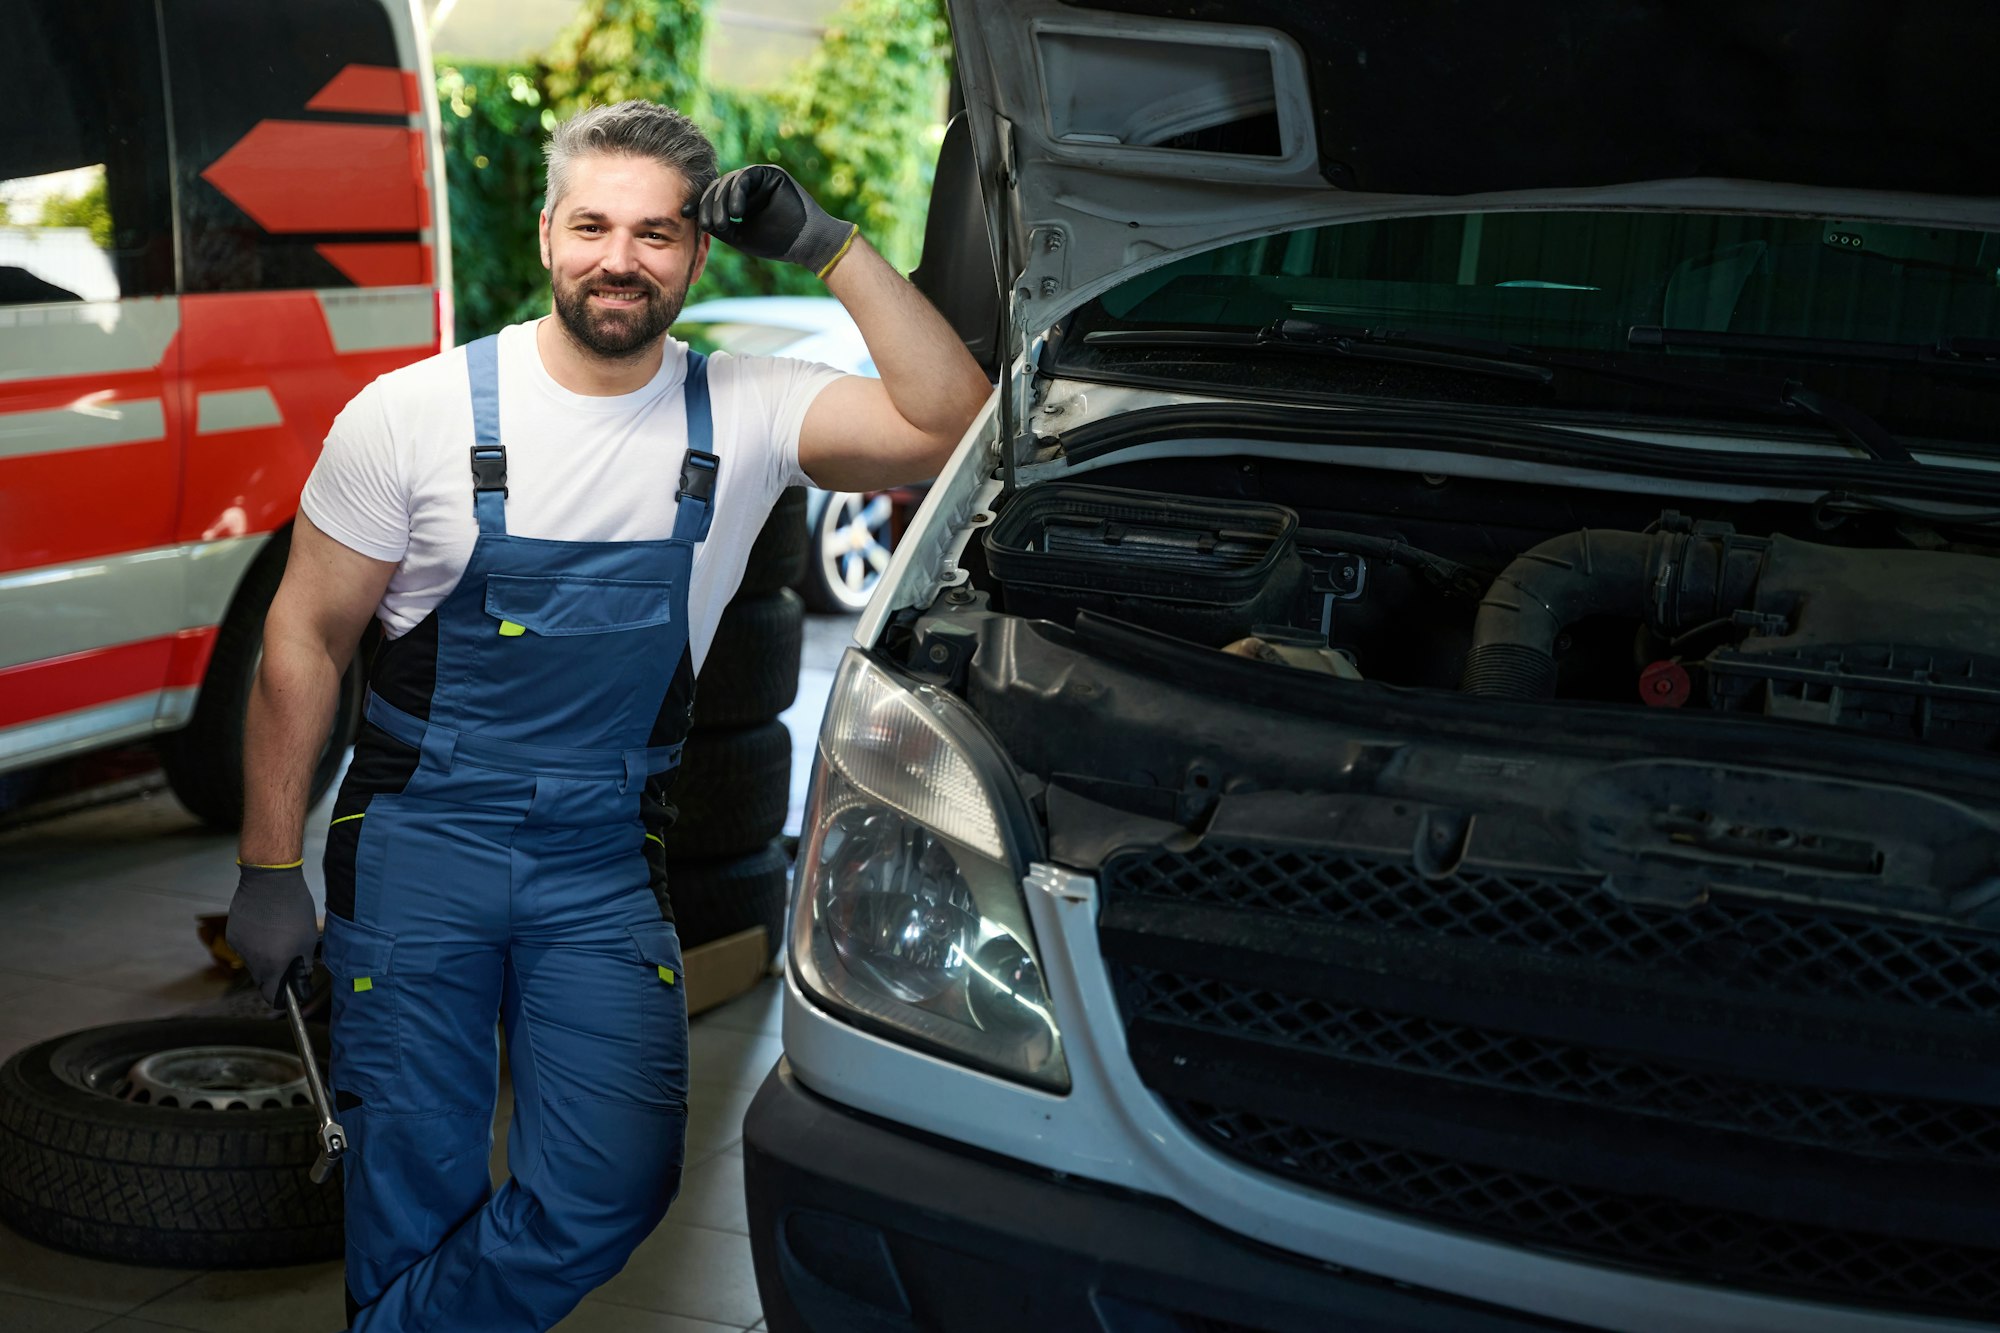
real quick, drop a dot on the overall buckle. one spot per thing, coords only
(489, 468)
(698, 476)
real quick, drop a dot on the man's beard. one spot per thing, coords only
(616, 335)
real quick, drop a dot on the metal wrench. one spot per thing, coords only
(332, 1138)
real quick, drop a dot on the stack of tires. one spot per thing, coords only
(726, 865)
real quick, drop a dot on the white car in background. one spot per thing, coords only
(852, 532)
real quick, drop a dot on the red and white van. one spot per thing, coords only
(218, 221)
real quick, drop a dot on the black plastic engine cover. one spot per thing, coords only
(1903, 643)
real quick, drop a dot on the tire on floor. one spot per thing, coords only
(93, 1162)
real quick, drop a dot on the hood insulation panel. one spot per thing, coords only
(1463, 96)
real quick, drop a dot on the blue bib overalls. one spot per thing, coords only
(487, 860)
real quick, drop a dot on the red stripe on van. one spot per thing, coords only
(294, 176)
(37, 690)
(382, 264)
(67, 506)
(378, 88)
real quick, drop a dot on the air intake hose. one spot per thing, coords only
(1678, 576)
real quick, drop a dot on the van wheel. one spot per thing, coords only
(204, 760)
(183, 1142)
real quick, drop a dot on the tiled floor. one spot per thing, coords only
(97, 925)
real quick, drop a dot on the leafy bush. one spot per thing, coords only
(859, 128)
(90, 210)
(494, 119)
(620, 49)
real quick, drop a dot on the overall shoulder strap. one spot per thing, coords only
(489, 456)
(696, 499)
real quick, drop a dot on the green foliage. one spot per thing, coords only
(859, 128)
(615, 50)
(748, 128)
(494, 120)
(862, 127)
(91, 210)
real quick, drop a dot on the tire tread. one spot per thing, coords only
(731, 794)
(715, 899)
(77, 1173)
(778, 557)
(751, 673)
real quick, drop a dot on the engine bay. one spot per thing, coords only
(1853, 615)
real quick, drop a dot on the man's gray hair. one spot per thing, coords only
(630, 129)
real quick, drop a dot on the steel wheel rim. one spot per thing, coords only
(206, 1078)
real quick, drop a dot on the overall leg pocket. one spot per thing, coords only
(370, 975)
(663, 1037)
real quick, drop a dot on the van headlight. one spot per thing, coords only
(910, 918)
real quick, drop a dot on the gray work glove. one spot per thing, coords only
(764, 213)
(272, 924)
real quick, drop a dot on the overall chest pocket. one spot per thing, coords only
(557, 605)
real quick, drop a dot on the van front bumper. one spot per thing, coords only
(862, 1226)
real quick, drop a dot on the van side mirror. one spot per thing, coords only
(958, 273)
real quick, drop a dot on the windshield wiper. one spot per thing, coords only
(1763, 396)
(1314, 339)
(1787, 396)
(1835, 502)
(1976, 355)
(1850, 421)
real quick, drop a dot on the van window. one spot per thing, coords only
(242, 127)
(86, 210)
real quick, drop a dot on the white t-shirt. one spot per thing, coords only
(395, 479)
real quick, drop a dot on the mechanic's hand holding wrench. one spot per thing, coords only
(272, 924)
(273, 928)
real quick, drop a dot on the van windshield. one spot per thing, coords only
(1903, 321)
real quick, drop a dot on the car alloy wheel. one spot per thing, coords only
(851, 549)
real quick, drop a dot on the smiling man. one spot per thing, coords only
(547, 523)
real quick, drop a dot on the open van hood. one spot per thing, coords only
(1113, 138)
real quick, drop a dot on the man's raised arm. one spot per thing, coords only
(859, 434)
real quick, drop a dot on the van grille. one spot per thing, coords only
(1743, 942)
(1527, 1054)
(1820, 1117)
(1700, 1241)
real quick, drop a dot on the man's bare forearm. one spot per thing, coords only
(291, 713)
(933, 381)
(327, 597)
